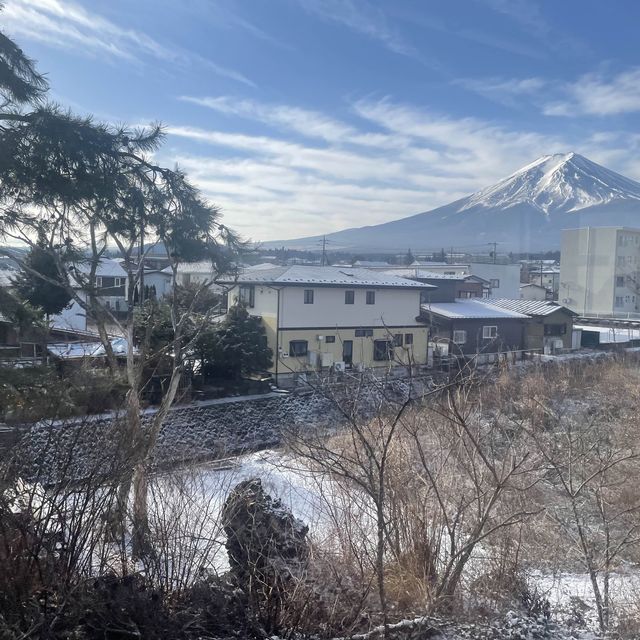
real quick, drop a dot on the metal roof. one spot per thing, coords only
(297, 275)
(424, 274)
(470, 309)
(530, 307)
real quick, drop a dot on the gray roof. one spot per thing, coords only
(424, 274)
(298, 275)
(530, 307)
(470, 309)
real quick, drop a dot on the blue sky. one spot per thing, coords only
(301, 117)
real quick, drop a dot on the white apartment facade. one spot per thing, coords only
(600, 271)
(334, 318)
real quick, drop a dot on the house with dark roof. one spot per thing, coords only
(327, 318)
(474, 328)
(550, 325)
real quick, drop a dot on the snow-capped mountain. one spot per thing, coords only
(524, 212)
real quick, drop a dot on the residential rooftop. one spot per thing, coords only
(298, 275)
(469, 309)
(530, 307)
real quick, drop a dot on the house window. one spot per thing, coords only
(619, 301)
(459, 337)
(329, 339)
(118, 282)
(248, 295)
(397, 340)
(494, 283)
(619, 281)
(364, 333)
(371, 297)
(98, 282)
(298, 348)
(489, 332)
(349, 297)
(308, 296)
(408, 338)
(382, 350)
(555, 329)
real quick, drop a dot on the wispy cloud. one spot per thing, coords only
(302, 121)
(361, 16)
(67, 25)
(390, 161)
(528, 15)
(507, 91)
(599, 95)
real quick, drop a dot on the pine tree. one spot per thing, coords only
(34, 282)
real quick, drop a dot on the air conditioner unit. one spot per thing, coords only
(339, 367)
(284, 354)
(566, 300)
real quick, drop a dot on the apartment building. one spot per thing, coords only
(334, 318)
(599, 271)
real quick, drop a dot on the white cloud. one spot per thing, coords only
(302, 121)
(66, 25)
(394, 160)
(364, 18)
(596, 94)
(507, 91)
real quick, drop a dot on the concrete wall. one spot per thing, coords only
(591, 259)
(508, 276)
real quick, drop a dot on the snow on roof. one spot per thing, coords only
(327, 276)
(530, 307)
(106, 267)
(75, 350)
(204, 267)
(469, 309)
(370, 263)
(425, 275)
(533, 284)
(261, 267)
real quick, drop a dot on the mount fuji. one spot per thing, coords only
(524, 212)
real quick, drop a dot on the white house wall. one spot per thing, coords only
(508, 276)
(393, 307)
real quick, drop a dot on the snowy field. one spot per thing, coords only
(302, 492)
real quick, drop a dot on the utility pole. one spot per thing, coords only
(495, 250)
(324, 250)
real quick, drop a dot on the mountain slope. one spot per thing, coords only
(524, 212)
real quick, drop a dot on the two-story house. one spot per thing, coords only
(112, 289)
(334, 318)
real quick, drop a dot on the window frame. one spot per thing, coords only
(398, 340)
(494, 283)
(308, 296)
(350, 296)
(251, 302)
(464, 336)
(378, 355)
(293, 351)
(364, 333)
(370, 297)
(619, 281)
(492, 334)
(329, 339)
(98, 282)
(408, 339)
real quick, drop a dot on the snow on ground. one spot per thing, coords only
(302, 491)
(610, 335)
